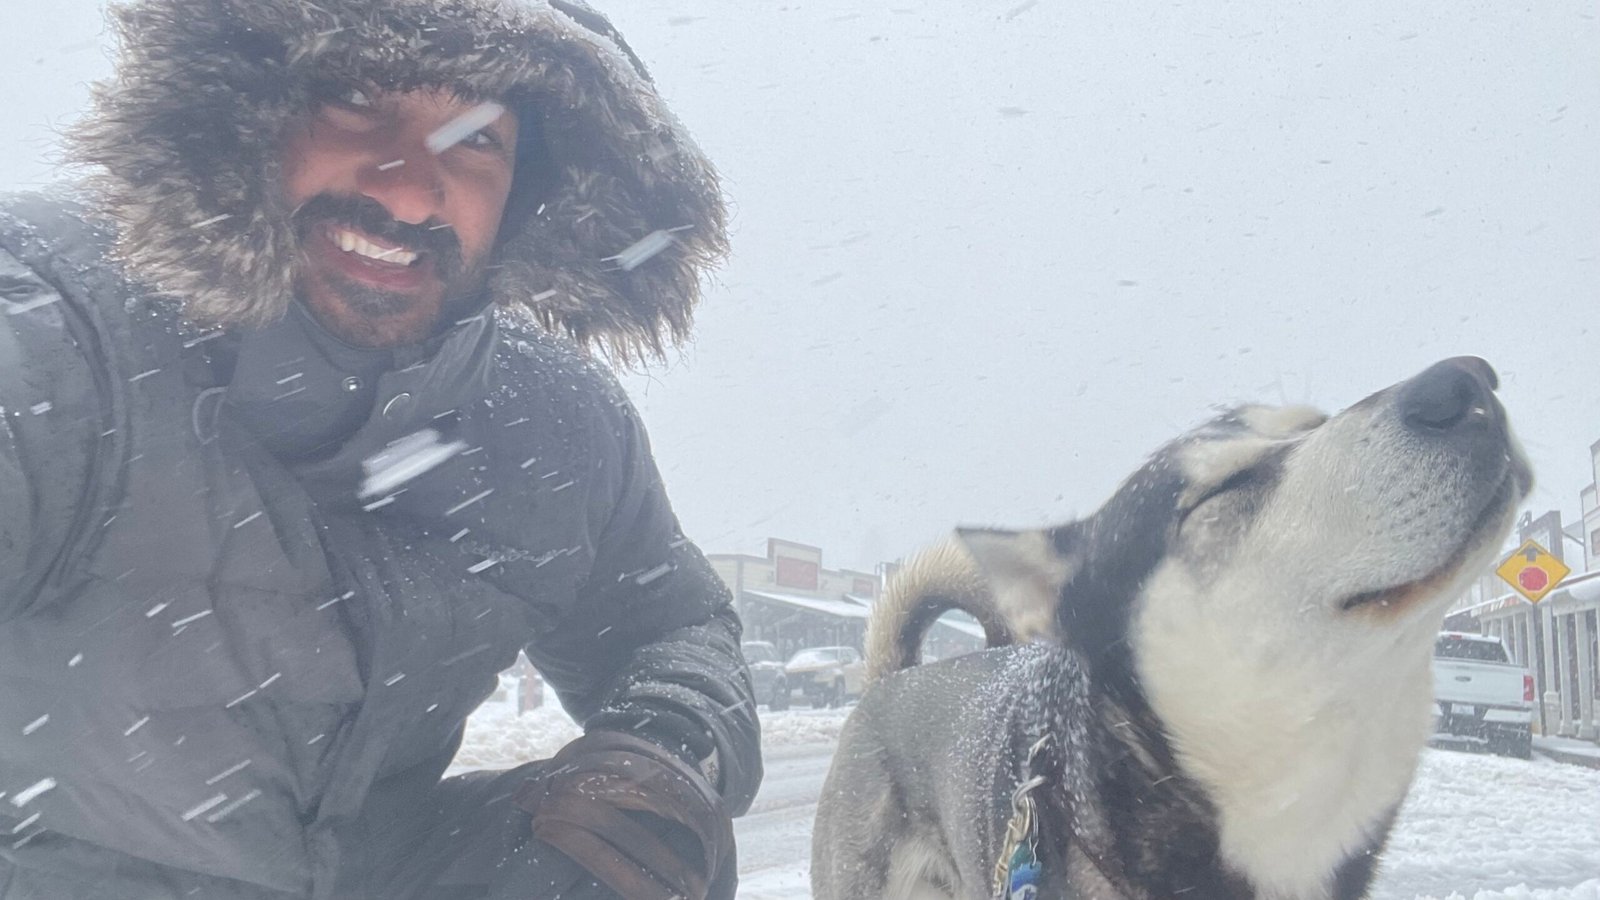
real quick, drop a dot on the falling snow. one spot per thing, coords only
(204, 807)
(653, 574)
(231, 770)
(468, 502)
(457, 129)
(1475, 827)
(405, 459)
(26, 795)
(190, 619)
(640, 252)
(231, 807)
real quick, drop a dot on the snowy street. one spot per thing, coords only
(775, 836)
(1475, 827)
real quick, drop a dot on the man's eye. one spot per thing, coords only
(355, 97)
(346, 97)
(347, 108)
(482, 139)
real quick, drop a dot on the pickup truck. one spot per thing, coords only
(1480, 695)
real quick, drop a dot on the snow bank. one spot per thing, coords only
(801, 726)
(498, 738)
(1479, 827)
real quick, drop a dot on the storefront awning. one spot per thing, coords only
(840, 608)
(1584, 589)
(845, 609)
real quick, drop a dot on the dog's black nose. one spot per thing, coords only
(1449, 394)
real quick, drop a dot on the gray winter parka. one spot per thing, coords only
(214, 660)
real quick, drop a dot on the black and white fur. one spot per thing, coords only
(1231, 661)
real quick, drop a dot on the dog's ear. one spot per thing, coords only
(1026, 571)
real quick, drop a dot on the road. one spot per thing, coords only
(775, 836)
(1473, 823)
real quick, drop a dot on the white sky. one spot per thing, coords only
(989, 254)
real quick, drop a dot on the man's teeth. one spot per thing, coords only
(351, 242)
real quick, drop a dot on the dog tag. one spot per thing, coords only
(1022, 873)
(1016, 870)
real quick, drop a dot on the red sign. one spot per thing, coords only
(1533, 580)
(798, 573)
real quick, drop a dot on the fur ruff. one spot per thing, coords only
(186, 137)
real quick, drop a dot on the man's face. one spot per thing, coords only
(397, 198)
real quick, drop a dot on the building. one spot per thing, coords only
(1559, 638)
(1590, 503)
(788, 598)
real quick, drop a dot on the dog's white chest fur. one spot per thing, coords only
(1304, 755)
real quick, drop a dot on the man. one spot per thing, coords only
(299, 446)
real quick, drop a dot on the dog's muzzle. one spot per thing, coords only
(1452, 402)
(1451, 409)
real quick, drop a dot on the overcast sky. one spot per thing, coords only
(990, 254)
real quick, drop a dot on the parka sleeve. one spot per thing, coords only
(45, 439)
(16, 509)
(666, 665)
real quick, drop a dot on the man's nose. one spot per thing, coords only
(408, 185)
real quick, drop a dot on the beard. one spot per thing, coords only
(370, 315)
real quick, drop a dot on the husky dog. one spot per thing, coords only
(1225, 681)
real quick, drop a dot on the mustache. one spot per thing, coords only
(433, 237)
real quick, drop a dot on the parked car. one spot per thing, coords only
(829, 676)
(772, 683)
(1481, 694)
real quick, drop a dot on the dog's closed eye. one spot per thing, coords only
(1240, 481)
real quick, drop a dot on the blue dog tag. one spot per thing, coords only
(1022, 874)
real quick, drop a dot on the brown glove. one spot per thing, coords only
(595, 803)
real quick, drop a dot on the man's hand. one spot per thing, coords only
(636, 816)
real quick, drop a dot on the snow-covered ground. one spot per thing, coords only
(1485, 828)
(1475, 827)
(498, 738)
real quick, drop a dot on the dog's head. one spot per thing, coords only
(1282, 521)
(1260, 600)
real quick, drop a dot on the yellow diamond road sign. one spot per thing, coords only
(1533, 571)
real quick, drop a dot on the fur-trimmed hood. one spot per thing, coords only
(186, 139)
